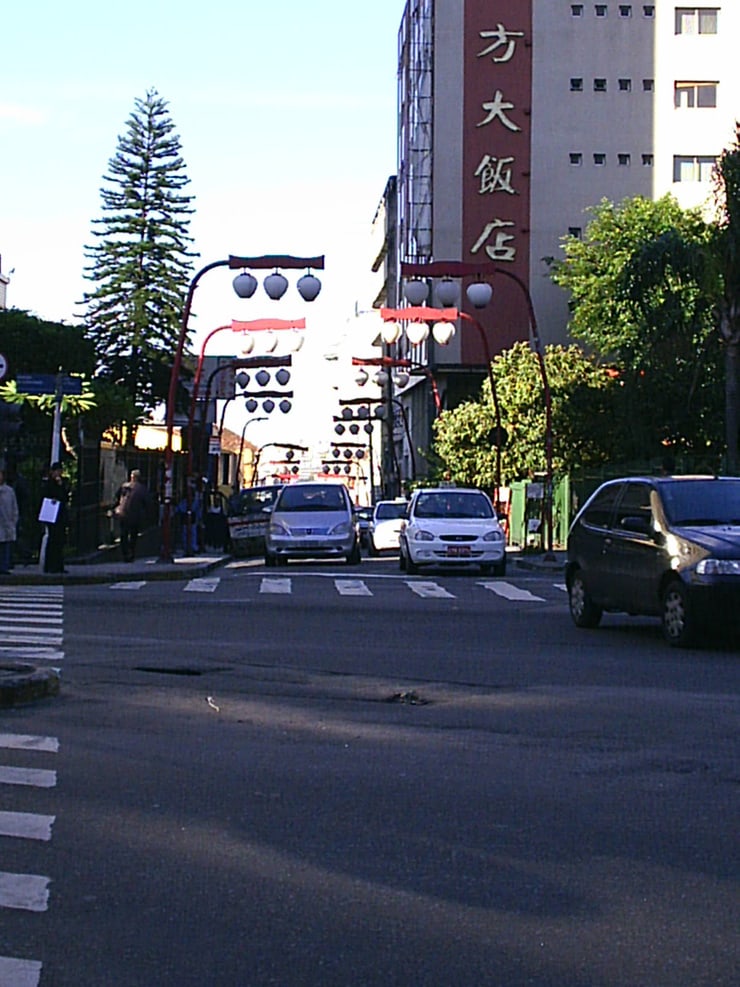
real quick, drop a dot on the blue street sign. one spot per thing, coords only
(47, 384)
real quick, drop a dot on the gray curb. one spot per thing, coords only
(103, 574)
(24, 683)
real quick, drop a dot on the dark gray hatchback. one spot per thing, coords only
(658, 546)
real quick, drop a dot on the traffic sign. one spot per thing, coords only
(3, 367)
(47, 384)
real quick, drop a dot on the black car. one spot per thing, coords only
(658, 546)
(363, 516)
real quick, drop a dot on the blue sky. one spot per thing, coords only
(286, 114)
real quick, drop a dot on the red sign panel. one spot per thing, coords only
(496, 160)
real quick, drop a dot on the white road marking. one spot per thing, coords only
(430, 590)
(352, 587)
(511, 592)
(561, 586)
(32, 654)
(26, 618)
(272, 585)
(27, 825)
(202, 585)
(29, 742)
(27, 891)
(132, 584)
(19, 973)
(38, 777)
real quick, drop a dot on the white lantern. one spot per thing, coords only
(269, 341)
(448, 292)
(401, 379)
(245, 284)
(416, 292)
(390, 332)
(417, 332)
(308, 287)
(443, 332)
(295, 340)
(479, 294)
(361, 377)
(247, 344)
(276, 284)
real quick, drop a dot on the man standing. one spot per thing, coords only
(8, 524)
(55, 490)
(131, 510)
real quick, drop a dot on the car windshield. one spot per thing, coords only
(389, 512)
(254, 501)
(453, 505)
(702, 501)
(323, 498)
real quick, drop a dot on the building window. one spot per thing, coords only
(625, 85)
(599, 159)
(647, 160)
(576, 9)
(625, 10)
(693, 168)
(575, 158)
(576, 85)
(648, 85)
(575, 231)
(600, 9)
(648, 10)
(624, 159)
(599, 85)
(695, 95)
(696, 20)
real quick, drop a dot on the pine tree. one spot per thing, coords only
(140, 264)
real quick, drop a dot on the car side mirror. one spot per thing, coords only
(637, 523)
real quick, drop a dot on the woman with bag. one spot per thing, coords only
(54, 515)
(8, 524)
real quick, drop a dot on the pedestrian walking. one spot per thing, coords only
(132, 507)
(8, 524)
(53, 514)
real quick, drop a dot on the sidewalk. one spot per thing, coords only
(108, 568)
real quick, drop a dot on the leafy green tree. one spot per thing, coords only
(651, 321)
(584, 423)
(140, 264)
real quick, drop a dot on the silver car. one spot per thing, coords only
(312, 520)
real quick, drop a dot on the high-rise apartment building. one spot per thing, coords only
(516, 116)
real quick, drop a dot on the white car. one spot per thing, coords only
(386, 524)
(452, 526)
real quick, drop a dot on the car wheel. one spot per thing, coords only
(401, 559)
(583, 610)
(680, 626)
(372, 549)
(486, 569)
(270, 560)
(411, 567)
(354, 556)
(499, 568)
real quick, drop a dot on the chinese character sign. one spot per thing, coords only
(497, 56)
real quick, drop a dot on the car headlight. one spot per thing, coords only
(422, 535)
(343, 528)
(719, 567)
(495, 535)
(278, 529)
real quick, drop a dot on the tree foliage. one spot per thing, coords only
(642, 298)
(584, 423)
(140, 263)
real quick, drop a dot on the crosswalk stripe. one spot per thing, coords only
(202, 585)
(29, 742)
(37, 777)
(32, 654)
(352, 587)
(19, 973)
(27, 619)
(273, 585)
(511, 592)
(430, 590)
(29, 892)
(27, 825)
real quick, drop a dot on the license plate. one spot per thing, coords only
(458, 551)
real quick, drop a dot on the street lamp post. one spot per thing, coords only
(480, 293)
(237, 475)
(245, 285)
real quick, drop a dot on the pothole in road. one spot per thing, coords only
(176, 670)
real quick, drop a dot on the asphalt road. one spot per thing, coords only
(329, 775)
